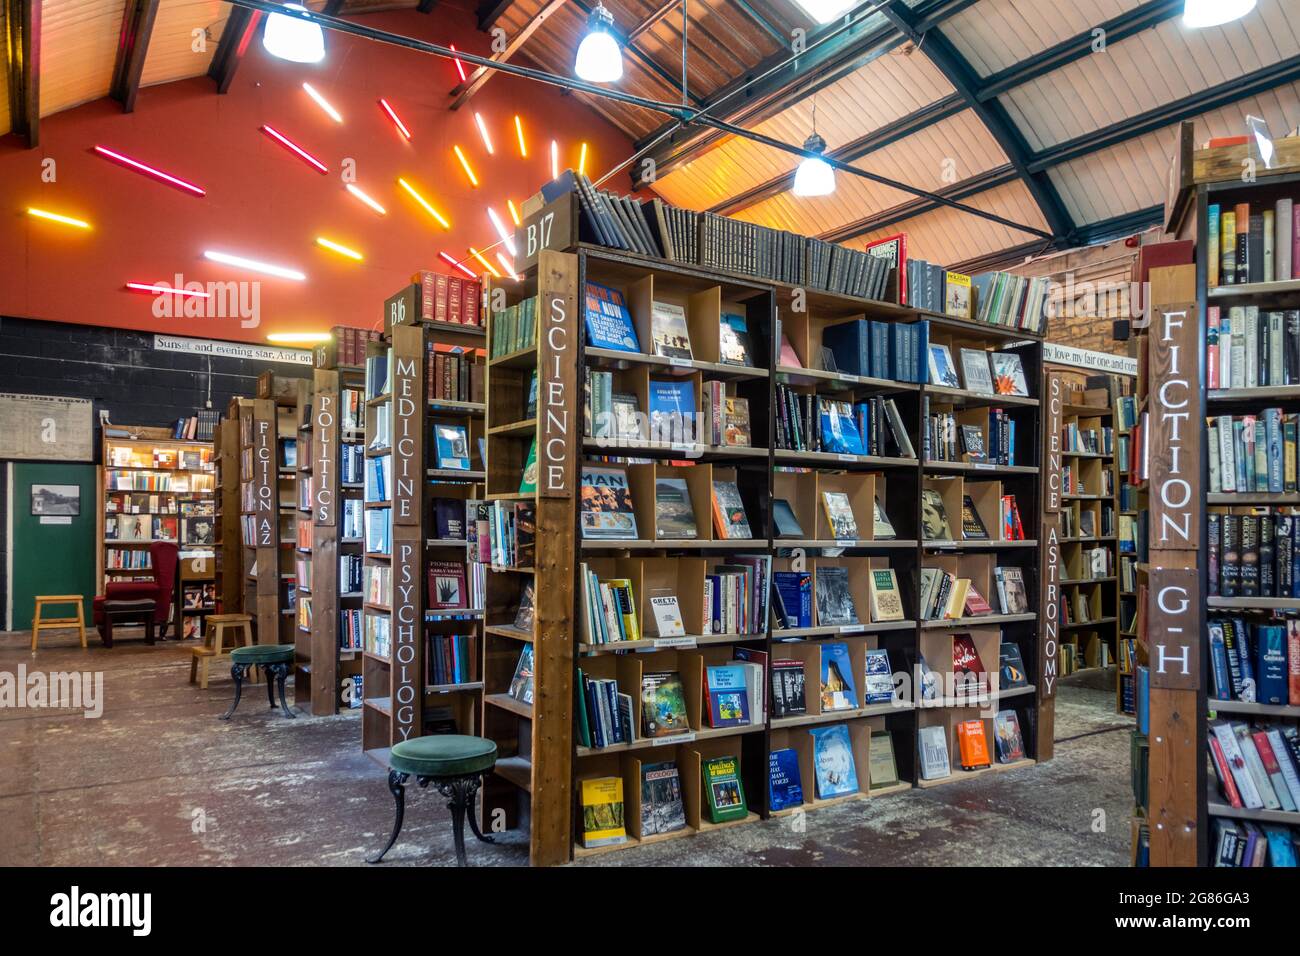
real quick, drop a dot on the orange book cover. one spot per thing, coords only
(973, 745)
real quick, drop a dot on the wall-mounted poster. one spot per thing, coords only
(62, 500)
(46, 428)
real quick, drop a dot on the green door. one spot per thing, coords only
(51, 553)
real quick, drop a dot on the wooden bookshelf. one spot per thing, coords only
(328, 652)
(229, 561)
(546, 765)
(156, 488)
(400, 700)
(267, 512)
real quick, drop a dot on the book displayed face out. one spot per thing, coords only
(605, 509)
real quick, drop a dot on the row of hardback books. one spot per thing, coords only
(1252, 453)
(815, 423)
(1252, 243)
(1249, 348)
(1253, 662)
(949, 439)
(1253, 555)
(1256, 764)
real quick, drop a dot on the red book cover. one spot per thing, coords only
(1219, 141)
(1225, 774)
(1293, 660)
(893, 249)
(470, 306)
(973, 745)
(454, 292)
(1158, 255)
(446, 584)
(1212, 352)
(1295, 240)
(440, 301)
(1266, 755)
(967, 668)
(428, 283)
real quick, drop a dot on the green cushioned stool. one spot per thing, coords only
(453, 763)
(274, 659)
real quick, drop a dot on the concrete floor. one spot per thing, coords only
(158, 780)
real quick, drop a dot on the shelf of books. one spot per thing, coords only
(1095, 533)
(421, 610)
(268, 510)
(1133, 513)
(228, 568)
(157, 488)
(328, 563)
(1249, 309)
(763, 538)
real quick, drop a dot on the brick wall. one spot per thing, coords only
(1091, 289)
(120, 371)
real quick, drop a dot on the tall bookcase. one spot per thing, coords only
(156, 489)
(267, 513)
(401, 619)
(1187, 807)
(329, 539)
(229, 562)
(539, 779)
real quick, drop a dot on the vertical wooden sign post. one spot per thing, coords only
(325, 548)
(1175, 418)
(559, 438)
(266, 520)
(1049, 578)
(408, 543)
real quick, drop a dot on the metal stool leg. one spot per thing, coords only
(237, 673)
(281, 672)
(270, 692)
(471, 787)
(396, 786)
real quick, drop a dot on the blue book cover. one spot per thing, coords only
(920, 349)
(1281, 850)
(672, 410)
(879, 685)
(850, 343)
(833, 762)
(784, 787)
(1219, 663)
(609, 324)
(1143, 699)
(452, 447)
(1271, 664)
(838, 691)
(839, 433)
(1273, 429)
(795, 589)
(728, 696)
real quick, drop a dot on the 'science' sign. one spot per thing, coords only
(1175, 439)
(1055, 403)
(555, 359)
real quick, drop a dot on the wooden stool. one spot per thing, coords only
(216, 643)
(49, 623)
(455, 765)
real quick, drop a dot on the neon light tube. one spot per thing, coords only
(252, 265)
(149, 170)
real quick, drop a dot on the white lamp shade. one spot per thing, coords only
(599, 58)
(1198, 14)
(814, 177)
(824, 11)
(289, 38)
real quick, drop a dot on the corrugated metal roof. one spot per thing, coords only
(1143, 72)
(995, 34)
(946, 237)
(886, 89)
(1131, 176)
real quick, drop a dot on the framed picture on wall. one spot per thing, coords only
(61, 500)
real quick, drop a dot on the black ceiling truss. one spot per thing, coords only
(132, 48)
(238, 33)
(948, 61)
(23, 40)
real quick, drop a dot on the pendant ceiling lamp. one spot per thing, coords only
(599, 58)
(292, 38)
(1198, 14)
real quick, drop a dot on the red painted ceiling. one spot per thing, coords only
(265, 203)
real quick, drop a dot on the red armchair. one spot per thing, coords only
(161, 588)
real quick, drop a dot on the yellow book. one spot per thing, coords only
(625, 607)
(957, 600)
(602, 812)
(956, 295)
(886, 603)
